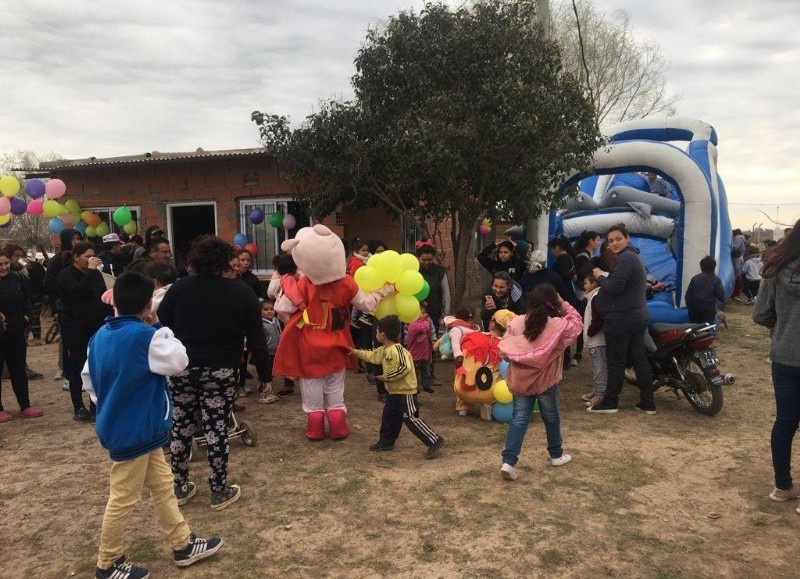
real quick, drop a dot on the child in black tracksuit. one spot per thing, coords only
(401, 385)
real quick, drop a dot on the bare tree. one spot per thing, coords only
(626, 77)
(28, 230)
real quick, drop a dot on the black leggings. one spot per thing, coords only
(13, 352)
(76, 341)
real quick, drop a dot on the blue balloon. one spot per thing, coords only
(240, 239)
(502, 412)
(503, 369)
(55, 225)
(80, 227)
(256, 216)
(34, 188)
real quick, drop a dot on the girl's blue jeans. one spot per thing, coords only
(523, 408)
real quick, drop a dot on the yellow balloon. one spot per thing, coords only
(73, 206)
(5, 218)
(90, 232)
(374, 260)
(9, 186)
(407, 308)
(390, 265)
(86, 215)
(410, 262)
(51, 208)
(62, 210)
(368, 278)
(131, 227)
(501, 392)
(386, 308)
(409, 283)
(102, 229)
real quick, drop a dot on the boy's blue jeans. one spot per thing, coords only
(523, 408)
(786, 380)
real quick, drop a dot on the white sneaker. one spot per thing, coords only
(561, 460)
(268, 399)
(463, 413)
(508, 472)
(65, 386)
(59, 375)
(573, 362)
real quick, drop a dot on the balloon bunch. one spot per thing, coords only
(485, 227)
(276, 220)
(124, 218)
(403, 272)
(240, 241)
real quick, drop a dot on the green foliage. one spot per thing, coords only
(459, 113)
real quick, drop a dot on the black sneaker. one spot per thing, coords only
(378, 447)
(196, 550)
(238, 407)
(285, 391)
(226, 498)
(434, 448)
(638, 406)
(83, 415)
(122, 570)
(428, 389)
(33, 374)
(602, 408)
(185, 492)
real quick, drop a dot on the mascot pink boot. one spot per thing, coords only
(316, 342)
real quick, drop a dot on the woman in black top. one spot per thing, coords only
(14, 310)
(82, 314)
(247, 276)
(588, 242)
(211, 314)
(503, 256)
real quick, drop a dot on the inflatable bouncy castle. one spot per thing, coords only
(674, 231)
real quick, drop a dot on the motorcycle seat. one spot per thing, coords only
(660, 328)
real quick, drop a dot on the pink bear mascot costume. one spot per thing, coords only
(315, 344)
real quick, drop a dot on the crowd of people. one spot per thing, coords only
(194, 333)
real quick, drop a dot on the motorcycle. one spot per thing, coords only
(683, 359)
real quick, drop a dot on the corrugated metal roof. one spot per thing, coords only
(152, 157)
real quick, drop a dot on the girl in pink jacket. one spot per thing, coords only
(534, 345)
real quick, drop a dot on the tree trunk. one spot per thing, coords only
(462, 240)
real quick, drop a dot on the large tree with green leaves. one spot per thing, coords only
(459, 114)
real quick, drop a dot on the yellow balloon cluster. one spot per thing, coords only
(400, 270)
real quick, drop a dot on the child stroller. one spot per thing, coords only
(236, 429)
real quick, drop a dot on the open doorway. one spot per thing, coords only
(187, 222)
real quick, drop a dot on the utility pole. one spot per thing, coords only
(532, 232)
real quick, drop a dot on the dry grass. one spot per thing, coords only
(676, 495)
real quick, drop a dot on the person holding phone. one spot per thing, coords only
(83, 313)
(500, 297)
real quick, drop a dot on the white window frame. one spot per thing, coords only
(113, 227)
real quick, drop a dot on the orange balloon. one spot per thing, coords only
(93, 220)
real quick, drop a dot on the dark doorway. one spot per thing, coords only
(187, 223)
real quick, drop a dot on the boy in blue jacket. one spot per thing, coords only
(125, 375)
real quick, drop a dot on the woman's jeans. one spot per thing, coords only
(523, 408)
(786, 381)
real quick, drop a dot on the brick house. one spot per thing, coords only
(192, 193)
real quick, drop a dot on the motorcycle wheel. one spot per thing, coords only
(704, 396)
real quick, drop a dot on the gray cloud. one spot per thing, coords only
(111, 78)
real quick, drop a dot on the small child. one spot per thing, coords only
(594, 340)
(499, 322)
(752, 274)
(534, 345)
(272, 329)
(401, 385)
(459, 326)
(125, 375)
(284, 289)
(418, 342)
(704, 293)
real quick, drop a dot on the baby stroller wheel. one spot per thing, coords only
(249, 436)
(194, 450)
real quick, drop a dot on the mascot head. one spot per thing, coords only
(318, 253)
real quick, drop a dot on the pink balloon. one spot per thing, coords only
(251, 248)
(67, 218)
(55, 188)
(35, 207)
(5, 206)
(484, 230)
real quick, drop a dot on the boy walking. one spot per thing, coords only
(125, 375)
(401, 385)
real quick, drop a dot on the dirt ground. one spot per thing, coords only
(667, 496)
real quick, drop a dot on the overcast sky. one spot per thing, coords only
(90, 78)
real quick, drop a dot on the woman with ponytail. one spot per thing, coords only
(534, 346)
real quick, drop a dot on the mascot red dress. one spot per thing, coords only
(315, 345)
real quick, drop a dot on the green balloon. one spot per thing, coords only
(122, 216)
(424, 292)
(276, 220)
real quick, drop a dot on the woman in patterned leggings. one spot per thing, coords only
(211, 315)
